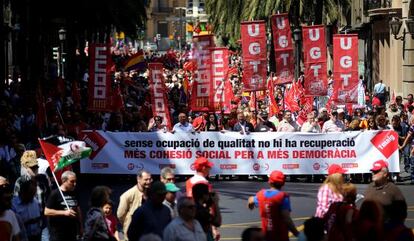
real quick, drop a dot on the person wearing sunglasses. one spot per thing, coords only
(382, 190)
(185, 227)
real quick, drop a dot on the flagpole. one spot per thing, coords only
(52, 170)
(60, 190)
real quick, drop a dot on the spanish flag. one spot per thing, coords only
(136, 61)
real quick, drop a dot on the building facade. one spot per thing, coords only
(172, 23)
(385, 57)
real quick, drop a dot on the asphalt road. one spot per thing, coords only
(233, 200)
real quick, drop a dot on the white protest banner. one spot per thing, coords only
(234, 153)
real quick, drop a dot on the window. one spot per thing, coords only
(162, 28)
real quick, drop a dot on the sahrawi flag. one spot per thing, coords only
(65, 154)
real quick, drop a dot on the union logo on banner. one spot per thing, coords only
(386, 142)
(95, 141)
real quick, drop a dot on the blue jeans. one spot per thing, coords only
(45, 234)
(412, 168)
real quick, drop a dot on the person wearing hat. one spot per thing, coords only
(381, 189)
(331, 190)
(274, 206)
(202, 167)
(169, 201)
(153, 216)
(30, 168)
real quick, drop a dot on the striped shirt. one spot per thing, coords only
(325, 198)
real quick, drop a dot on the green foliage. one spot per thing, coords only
(226, 15)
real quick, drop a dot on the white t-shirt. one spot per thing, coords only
(9, 227)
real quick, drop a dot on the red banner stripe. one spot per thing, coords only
(345, 72)
(253, 38)
(202, 85)
(282, 42)
(158, 93)
(99, 85)
(314, 48)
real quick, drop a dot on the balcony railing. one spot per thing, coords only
(379, 7)
(162, 10)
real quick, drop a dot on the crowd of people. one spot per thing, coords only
(50, 110)
(31, 209)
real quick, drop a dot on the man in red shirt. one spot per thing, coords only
(202, 167)
(274, 206)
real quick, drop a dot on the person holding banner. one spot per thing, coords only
(334, 124)
(243, 126)
(65, 224)
(183, 125)
(275, 209)
(288, 124)
(331, 190)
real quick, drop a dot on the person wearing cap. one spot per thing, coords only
(30, 168)
(341, 114)
(133, 198)
(331, 190)
(274, 206)
(333, 124)
(153, 216)
(202, 167)
(381, 189)
(169, 201)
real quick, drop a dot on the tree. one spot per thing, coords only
(226, 15)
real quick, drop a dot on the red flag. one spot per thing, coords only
(314, 48)
(283, 46)
(253, 36)
(345, 62)
(252, 101)
(393, 97)
(233, 71)
(290, 102)
(273, 106)
(228, 96)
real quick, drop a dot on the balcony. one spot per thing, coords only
(374, 8)
(162, 10)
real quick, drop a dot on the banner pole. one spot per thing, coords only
(255, 104)
(60, 190)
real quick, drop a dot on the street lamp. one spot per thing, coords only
(297, 36)
(62, 38)
(181, 25)
(396, 24)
